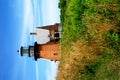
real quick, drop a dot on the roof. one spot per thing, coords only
(42, 36)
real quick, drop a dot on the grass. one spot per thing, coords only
(90, 44)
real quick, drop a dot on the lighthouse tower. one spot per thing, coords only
(46, 45)
(47, 51)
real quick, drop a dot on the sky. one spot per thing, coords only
(17, 19)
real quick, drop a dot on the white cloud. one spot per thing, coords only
(27, 27)
(37, 73)
(27, 21)
(50, 12)
(48, 74)
(51, 71)
(37, 12)
(24, 68)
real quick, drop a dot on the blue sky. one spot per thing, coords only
(17, 19)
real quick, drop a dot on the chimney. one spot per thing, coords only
(33, 33)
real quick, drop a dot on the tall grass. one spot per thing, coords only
(90, 44)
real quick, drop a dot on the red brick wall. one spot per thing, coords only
(49, 51)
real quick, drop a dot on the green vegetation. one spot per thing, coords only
(90, 44)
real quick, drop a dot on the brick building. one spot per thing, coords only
(46, 45)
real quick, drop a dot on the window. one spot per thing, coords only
(55, 54)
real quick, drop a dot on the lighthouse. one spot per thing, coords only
(46, 45)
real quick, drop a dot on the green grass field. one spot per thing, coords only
(90, 44)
